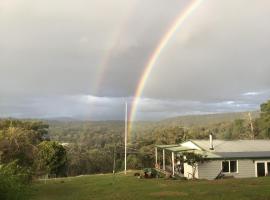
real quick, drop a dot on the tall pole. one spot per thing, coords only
(126, 130)
(114, 155)
(156, 157)
(173, 163)
(163, 155)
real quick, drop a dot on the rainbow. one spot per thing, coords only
(104, 64)
(180, 19)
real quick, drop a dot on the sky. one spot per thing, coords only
(83, 59)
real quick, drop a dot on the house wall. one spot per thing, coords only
(210, 170)
(188, 171)
(246, 169)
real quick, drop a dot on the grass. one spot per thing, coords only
(119, 187)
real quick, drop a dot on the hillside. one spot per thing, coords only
(129, 187)
(209, 119)
(71, 131)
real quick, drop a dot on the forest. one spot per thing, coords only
(31, 149)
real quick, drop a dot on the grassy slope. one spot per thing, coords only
(129, 187)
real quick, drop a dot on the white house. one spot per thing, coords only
(235, 158)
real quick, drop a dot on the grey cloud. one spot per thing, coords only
(88, 107)
(56, 54)
(59, 45)
(76, 107)
(219, 53)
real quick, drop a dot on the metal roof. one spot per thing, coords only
(208, 155)
(164, 146)
(178, 148)
(225, 149)
(235, 145)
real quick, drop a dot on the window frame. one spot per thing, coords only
(225, 161)
(236, 170)
(267, 173)
(267, 170)
(229, 161)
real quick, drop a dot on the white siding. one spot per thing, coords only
(246, 169)
(210, 170)
(188, 171)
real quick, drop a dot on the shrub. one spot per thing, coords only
(13, 182)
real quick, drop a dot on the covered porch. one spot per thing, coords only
(167, 159)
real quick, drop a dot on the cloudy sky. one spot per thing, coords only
(83, 59)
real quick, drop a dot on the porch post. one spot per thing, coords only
(156, 157)
(173, 163)
(163, 153)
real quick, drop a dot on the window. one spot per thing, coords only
(233, 166)
(262, 168)
(225, 166)
(229, 166)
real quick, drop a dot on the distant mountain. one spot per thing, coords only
(186, 120)
(209, 119)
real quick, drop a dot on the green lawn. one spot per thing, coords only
(129, 187)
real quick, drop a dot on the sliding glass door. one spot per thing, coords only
(260, 169)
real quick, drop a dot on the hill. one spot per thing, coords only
(129, 187)
(71, 131)
(209, 119)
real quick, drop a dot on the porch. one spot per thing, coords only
(167, 159)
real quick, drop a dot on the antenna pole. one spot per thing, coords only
(126, 130)
(114, 155)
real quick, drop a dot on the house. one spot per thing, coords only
(236, 158)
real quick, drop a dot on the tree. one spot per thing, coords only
(133, 162)
(51, 158)
(170, 135)
(146, 156)
(13, 180)
(18, 140)
(264, 120)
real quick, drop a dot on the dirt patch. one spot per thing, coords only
(168, 194)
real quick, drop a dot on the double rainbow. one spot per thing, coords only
(180, 19)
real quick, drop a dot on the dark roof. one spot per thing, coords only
(257, 154)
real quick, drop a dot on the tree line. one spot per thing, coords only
(31, 149)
